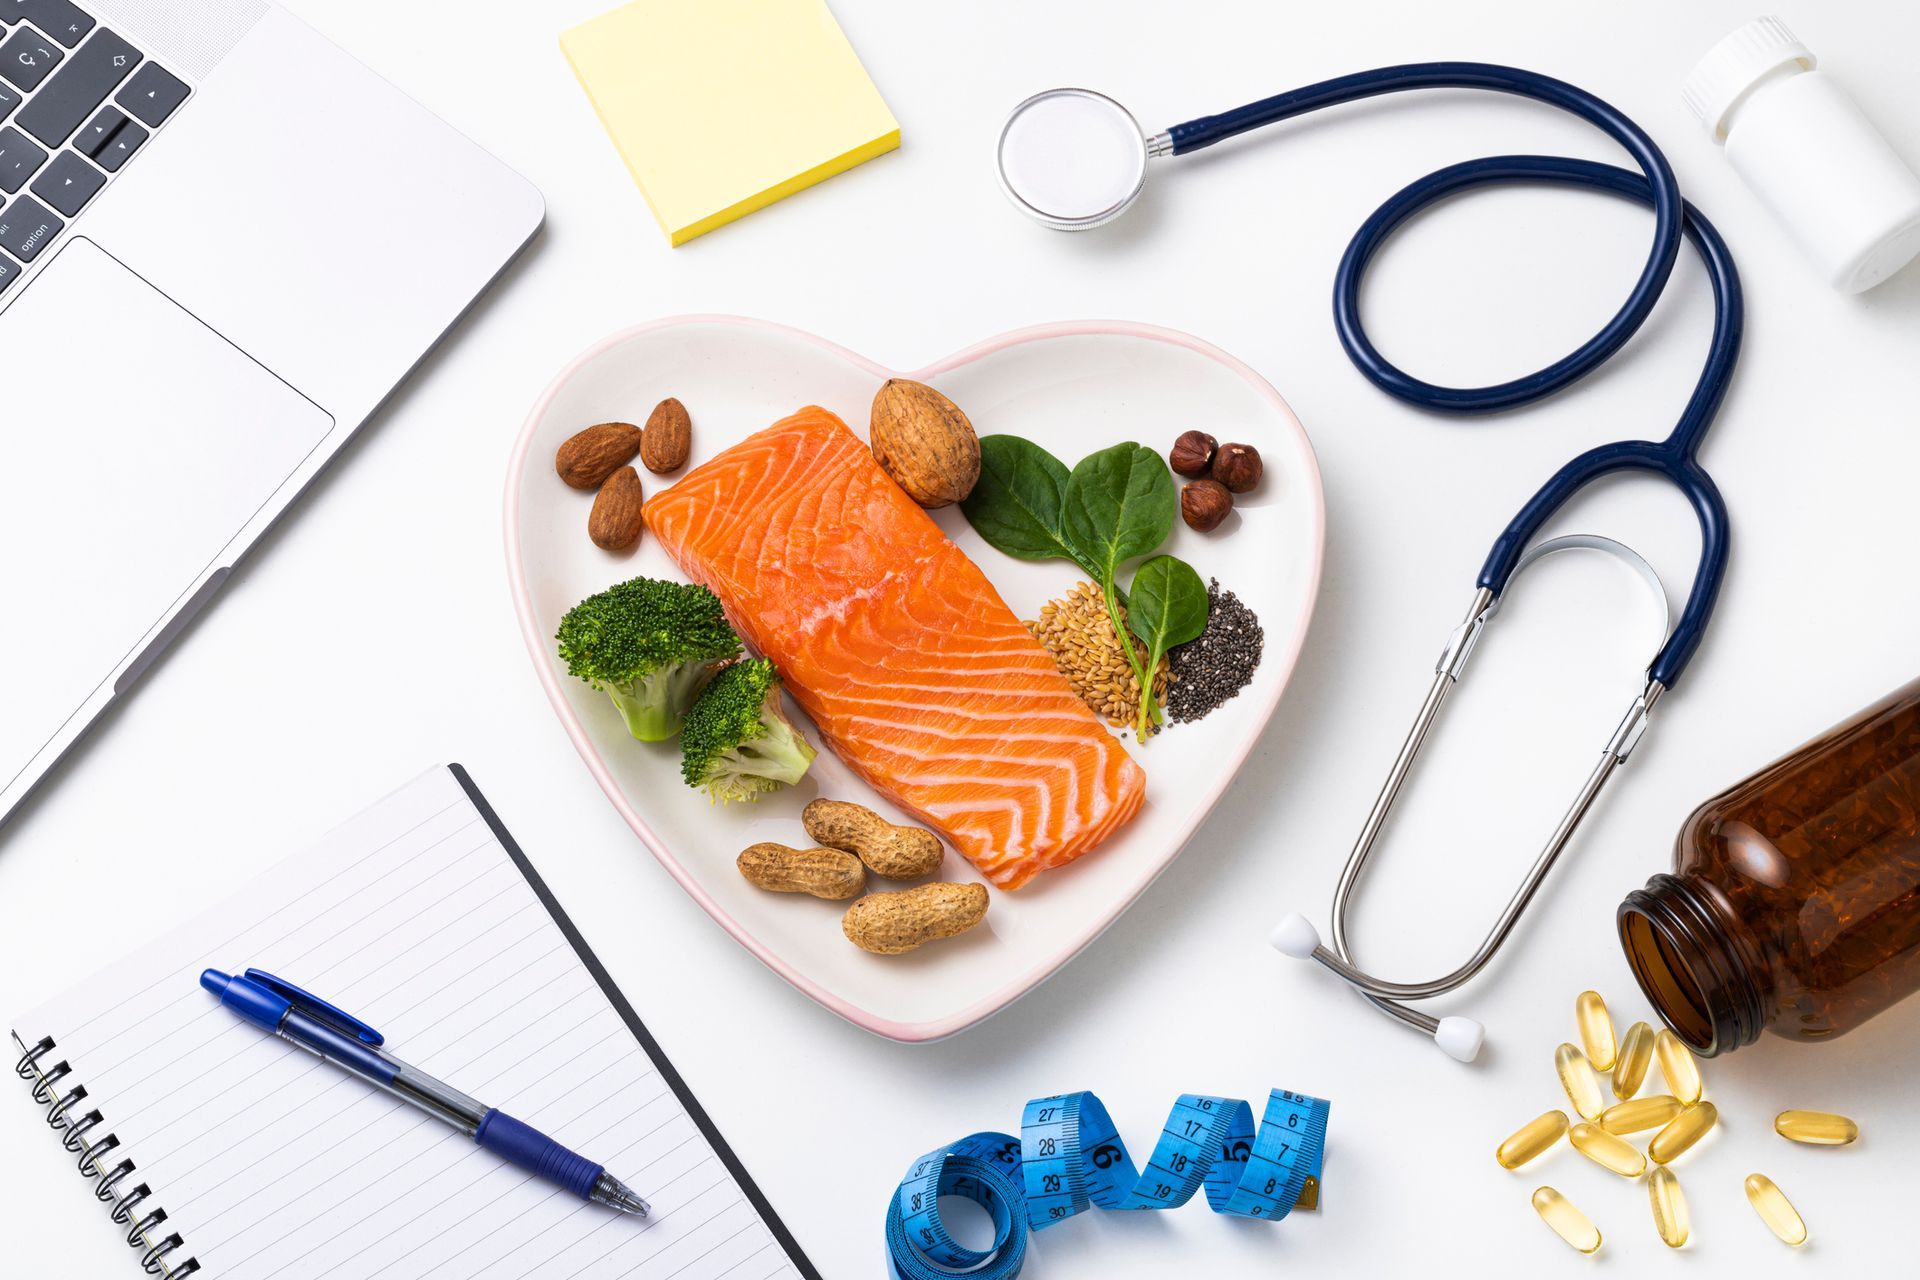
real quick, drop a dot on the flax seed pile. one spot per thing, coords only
(1076, 632)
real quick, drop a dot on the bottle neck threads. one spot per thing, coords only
(1686, 957)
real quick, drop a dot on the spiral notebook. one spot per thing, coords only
(223, 1151)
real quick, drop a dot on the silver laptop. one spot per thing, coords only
(223, 242)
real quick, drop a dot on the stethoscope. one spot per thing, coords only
(1076, 159)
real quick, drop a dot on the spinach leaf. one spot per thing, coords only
(1119, 504)
(1115, 506)
(1169, 607)
(1016, 503)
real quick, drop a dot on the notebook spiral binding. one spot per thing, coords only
(81, 1133)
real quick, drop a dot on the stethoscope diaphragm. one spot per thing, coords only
(1072, 158)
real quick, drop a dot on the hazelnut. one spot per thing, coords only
(1237, 466)
(1192, 453)
(1204, 504)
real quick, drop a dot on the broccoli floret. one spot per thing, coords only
(651, 646)
(737, 742)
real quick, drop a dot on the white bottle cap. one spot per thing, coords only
(1809, 154)
(1738, 63)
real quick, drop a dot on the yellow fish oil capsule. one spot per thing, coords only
(1577, 1078)
(1530, 1139)
(1775, 1209)
(1678, 1066)
(1596, 1029)
(1634, 1058)
(1670, 1216)
(1686, 1129)
(1606, 1150)
(1641, 1113)
(1636, 1054)
(1819, 1128)
(1571, 1225)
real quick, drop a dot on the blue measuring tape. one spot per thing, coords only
(1069, 1156)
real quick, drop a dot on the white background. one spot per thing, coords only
(371, 636)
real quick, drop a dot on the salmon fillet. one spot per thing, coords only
(915, 670)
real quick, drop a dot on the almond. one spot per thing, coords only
(668, 438)
(922, 440)
(614, 524)
(589, 457)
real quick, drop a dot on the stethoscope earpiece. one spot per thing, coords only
(1072, 159)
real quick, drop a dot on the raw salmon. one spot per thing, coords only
(915, 670)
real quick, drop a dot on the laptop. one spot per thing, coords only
(223, 243)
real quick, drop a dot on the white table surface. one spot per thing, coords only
(371, 636)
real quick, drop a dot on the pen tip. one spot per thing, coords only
(615, 1194)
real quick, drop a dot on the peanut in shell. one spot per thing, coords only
(824, 873)
(889, 924)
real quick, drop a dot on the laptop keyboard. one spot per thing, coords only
(77, 100)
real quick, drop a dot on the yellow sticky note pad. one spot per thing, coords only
(721, 107)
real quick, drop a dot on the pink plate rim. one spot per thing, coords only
(536, 642)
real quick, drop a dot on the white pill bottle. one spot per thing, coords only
(1813, 159)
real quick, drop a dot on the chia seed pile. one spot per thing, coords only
(1209, 671)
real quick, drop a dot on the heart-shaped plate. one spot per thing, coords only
(1073, 388)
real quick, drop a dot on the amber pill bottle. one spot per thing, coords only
(1794, 903)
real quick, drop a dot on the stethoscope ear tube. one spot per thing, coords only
(1295, 936)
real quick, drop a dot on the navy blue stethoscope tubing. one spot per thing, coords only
(1654, 186)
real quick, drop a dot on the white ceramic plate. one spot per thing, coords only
(1073, 388)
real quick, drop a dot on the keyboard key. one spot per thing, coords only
(19, 160)
(58, 18)
(82, 85)
(152, 95)
(27, 227)
(8, 273)
(109, 139)
(68, 183)
(8, 101)
(25, 59)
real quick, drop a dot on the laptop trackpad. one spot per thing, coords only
(135, 442)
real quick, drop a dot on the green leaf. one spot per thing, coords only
(1119, 504)
(1016, 503)
(1169, 607)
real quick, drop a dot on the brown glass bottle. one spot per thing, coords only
(1794, 903)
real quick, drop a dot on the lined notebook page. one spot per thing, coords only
(272, 1163)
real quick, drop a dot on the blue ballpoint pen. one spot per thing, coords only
(342, 1039)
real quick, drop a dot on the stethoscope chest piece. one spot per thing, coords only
(1072, 158)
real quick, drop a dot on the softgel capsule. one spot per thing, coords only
(1636, 1055)
(1612, 1153)
(1571, 1225)
(1817, 1128)
(1771, 1203)
(1596, 1029)
(1577, 1078)
(1670, 1216)
(1641, 1113)
(1531, 1139)
(1686, 1129)
(1678, 1066)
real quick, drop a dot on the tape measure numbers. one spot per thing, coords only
(1069, 1156)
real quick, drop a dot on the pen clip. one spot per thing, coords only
(316, 1008)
